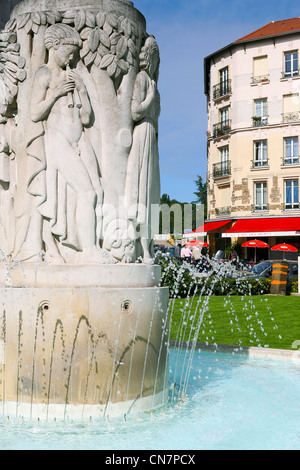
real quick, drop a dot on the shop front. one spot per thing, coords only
(271, 230)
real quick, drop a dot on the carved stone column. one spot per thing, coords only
(84, 328)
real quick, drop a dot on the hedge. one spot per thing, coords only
(184, 280)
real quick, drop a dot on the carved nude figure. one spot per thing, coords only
(60, 100)
(143, 178)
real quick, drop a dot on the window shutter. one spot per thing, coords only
(260, 66)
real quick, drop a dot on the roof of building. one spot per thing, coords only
(273, 29)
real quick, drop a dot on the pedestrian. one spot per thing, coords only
(187, 254)
(196, 255)
(178, 251)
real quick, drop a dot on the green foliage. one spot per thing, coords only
(177, 277)
(174, 205)
(294, 287)
(235, 247)
(184, 281)
(236, 286)
(201, 193)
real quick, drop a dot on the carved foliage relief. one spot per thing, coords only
(109, 39)
(110, 50)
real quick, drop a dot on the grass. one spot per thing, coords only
(267, 321)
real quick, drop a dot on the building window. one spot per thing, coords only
(260, 154)
(224, 160)
(224, 81)
(260, 117)
(291, 106)
(223, 167)
(224, 200)
(224, 115)
(260, 194)
(223, 88)
(291, 151)
(292, 194)
(260, 69)
(291, 64)
(224, 126)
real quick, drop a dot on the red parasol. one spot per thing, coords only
(284, 247)
(197, 242)
(255, 244)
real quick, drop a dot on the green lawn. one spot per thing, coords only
(267, 321)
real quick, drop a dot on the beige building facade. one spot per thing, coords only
(253, 164)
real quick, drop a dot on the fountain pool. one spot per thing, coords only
(233, 401)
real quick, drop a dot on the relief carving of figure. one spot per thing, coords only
(143, 178)
(83, 174)
(72, 189)
(11, 74)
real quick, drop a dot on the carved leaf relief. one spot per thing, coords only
(109, 39)
(11, 63)
(94, 39)
(79, 20)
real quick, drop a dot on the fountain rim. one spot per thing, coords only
(119, 275)
(250, 351)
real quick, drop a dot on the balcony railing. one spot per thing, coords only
(222, 128)
(294, 160)
(222, 89)
(260, 163)
(260, 207)
(291, 117)
(259, 79)
(258, 121)
(222, 169)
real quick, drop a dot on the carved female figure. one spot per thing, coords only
(143, 179)
(69, 154)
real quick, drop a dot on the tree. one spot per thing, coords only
(201, 193)
(166, 200)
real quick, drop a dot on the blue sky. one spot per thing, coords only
(187, 31)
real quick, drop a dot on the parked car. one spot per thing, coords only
(170, 250)
(219, 256)
(264, 270)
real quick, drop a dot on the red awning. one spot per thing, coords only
(265, 227)
(209, 227)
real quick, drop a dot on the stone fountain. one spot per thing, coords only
(83, 321)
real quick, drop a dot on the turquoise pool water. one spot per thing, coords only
(233, 402)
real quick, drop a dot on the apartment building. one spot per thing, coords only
(253, 164)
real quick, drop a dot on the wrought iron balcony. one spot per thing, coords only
(222, 89)
(222, 128)
(222, 169)
(258, 121)
(291, 117)
(260, 207)
(259, 79)
(294, 160)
